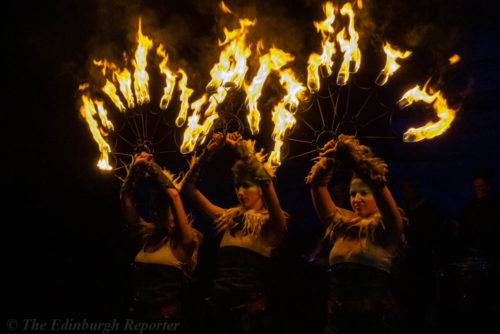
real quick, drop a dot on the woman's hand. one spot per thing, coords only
(232, 138)
(215, 143)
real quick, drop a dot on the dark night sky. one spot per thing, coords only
(64, 226)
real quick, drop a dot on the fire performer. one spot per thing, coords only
(364, 241)
(168, 244)
(250, 232)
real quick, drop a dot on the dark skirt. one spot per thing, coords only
(238, 303)
(159, 291)
(361, 300)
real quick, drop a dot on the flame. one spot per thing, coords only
(273, 60)
(103, 115)
(282, 118)
(430, 130)
(224, 8)
(232, 65)
(169, 78)
(295, 90)
(359, 3)
(141, 77)
(88, 110)
(185, 94)
(390, 65)
(352, 54)
(454, 59)
(110, 90)
(416, 94)
(194, 130)
(124, 80)
(328, 42)
(228, 72)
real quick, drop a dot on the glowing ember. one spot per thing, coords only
(273, 60)
(170, 78)
(430, 130)
(224, 8)
(352, 54)
(328, 42)
(390, 65)
(185, 94)
(141, 77)
(88, 110)
(454, 59)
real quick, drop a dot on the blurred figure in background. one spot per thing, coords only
(417, 288)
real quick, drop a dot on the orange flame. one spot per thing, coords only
(141, 77)
(282, 118)
(194, 130)
(232, 65)
(295, 90)
(430, 130)
(328, 42)
(169, 78)
(110, 90)
(390, 65)
(273, 60)
(229, 72)
(103, 115)
(416, 94)
(185, 94)
(352, 54)
(88, 110)
(124, 80)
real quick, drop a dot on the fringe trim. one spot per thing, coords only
(319, 169)
(251, 221)
(176, 179)
(362, 157)
(341, 225)
(259, 156)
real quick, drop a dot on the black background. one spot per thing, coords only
(66, 251)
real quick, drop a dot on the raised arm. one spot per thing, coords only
(264, 178)
(319, 177)
(184, 231)
(189, 185)
(372, 171)
(137, 168)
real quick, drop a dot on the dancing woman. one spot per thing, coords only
(364, 242)
(250, 231)
(168, 244)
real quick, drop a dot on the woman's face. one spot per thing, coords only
(249, 195)
(362, 200)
